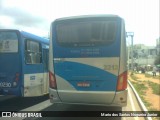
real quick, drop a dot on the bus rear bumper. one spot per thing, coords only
(120, 98)
(87, 98)
(10, 91)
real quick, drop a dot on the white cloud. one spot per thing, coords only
(6, 21)
(141, 16)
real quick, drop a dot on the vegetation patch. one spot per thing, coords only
(144, 82)
(155, 87)
(141, 90)
(150, 76)
(134, 77)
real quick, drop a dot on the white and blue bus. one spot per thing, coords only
(23, 64)
(87, 61)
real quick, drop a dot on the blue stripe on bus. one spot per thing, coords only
(33, 68)
(77, 72)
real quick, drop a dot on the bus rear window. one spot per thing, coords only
(86, 33)
(8, 42)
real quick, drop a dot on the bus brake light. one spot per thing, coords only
(122, 81)
(52, 80)
(16, 79)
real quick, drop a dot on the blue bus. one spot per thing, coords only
(23, 63)
(87, 61)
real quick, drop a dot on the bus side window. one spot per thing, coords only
(33, 52)
(28, 58)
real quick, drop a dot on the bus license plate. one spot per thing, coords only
(83, 84)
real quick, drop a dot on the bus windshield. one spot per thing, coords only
(91, 33)
(8, 42)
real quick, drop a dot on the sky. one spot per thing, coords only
(35, 16)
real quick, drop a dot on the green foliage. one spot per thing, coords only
(155, 87)
(140, 88)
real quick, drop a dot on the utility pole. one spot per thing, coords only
(131, 34)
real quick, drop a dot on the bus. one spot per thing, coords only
(88, 61)
(23, 63)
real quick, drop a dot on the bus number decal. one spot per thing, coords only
(5, 84)
(110, 67)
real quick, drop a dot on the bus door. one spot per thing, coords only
(10, 66)
(33, 69)
(45, 73)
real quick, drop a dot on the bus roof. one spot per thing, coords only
(29, 35)
(35, 37)
(88, 16)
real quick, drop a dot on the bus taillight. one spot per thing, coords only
(122, 81)
(17, 77)
(52, 80)
(15, 82)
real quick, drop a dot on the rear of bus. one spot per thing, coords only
(87, 61)
(10, 62)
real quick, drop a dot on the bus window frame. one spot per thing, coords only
(18, 43)
(26, 51)
(85, 44)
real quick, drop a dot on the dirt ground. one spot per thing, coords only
(151, 98)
